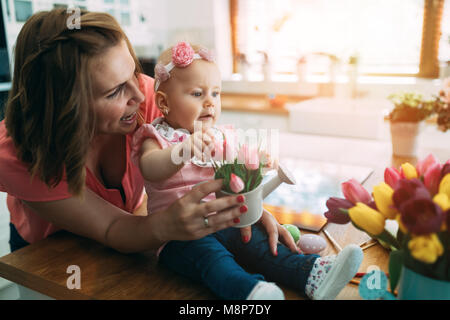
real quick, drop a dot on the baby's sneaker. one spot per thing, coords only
(331, 274)
(266, 291)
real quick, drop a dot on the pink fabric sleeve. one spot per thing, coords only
(16, 180)
(146, 131)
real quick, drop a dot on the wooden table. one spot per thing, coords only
(107, 274)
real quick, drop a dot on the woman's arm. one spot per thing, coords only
(97, 219)
(93, 217)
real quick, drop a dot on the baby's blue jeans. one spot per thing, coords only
(218, 261)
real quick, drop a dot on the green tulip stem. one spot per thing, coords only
(388, 238)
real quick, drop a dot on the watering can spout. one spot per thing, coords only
(283, 175)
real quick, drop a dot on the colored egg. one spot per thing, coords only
(311, 243)
(293, 230)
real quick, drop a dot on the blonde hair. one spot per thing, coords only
(48, 113)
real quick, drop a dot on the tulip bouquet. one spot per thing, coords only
(244, 173)
(418, 199)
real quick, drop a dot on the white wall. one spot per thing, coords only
(204, 22)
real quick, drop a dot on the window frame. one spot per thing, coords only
(429, 63)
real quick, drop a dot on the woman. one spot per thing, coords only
(77, 97)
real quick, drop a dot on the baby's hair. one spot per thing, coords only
(166, 56)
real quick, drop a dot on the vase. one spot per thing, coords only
(414, 286)
(404, 137)
(254, 203)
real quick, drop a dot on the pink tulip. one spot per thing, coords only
(445, 169)
(242, 154)
(218, 151)
(236, 183)
(432, 178)
(249, 157)
(354, 192)
(391, 176)
(252, 162)
(229, 150)
(423, 165)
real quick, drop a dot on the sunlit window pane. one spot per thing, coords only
(385, 35)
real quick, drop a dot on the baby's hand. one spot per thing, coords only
(267, 162)
(201, 144)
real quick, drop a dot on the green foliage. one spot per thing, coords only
(395, 268)
(410, 107)
(251, 178)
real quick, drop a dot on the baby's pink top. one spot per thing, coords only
(162, 194)
(16, 180)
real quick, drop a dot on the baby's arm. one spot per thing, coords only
(155, 163)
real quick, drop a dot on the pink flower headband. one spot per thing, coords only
(182, 56)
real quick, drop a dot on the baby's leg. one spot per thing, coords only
(311, 275)
(206, 260)
(287, 268)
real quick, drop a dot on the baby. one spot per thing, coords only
(187, 91)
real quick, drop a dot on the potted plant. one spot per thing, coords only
(418, 200)
(410, 109)
(442, 107)
(242, 171)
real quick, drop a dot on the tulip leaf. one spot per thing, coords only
(395, 268)
(387, 237)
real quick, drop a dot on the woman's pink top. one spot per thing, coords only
(16, 180)
(162, 194)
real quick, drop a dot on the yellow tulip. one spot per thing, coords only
(442, 200)
(426, 248)
(382, 195)
(367, 218)
(409, 171)
(444, 186)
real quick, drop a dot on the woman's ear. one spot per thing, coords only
(161, 102)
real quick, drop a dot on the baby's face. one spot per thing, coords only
(194, 95)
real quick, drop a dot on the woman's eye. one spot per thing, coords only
(115, 93)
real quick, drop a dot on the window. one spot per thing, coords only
(385, 37)
(23, 10)
(59, 6)
(125, 18)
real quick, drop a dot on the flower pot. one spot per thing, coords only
(404, 137)
(254, 203)
(414, 286)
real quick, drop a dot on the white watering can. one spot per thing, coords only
(254, 198)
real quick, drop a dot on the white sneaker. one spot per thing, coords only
(266, 291)
(331, 274)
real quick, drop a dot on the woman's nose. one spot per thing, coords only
(138, 97)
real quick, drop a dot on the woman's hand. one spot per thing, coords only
(189, 219)
(274, 231)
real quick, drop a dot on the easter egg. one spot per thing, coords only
(311, 243)
(293, 230)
